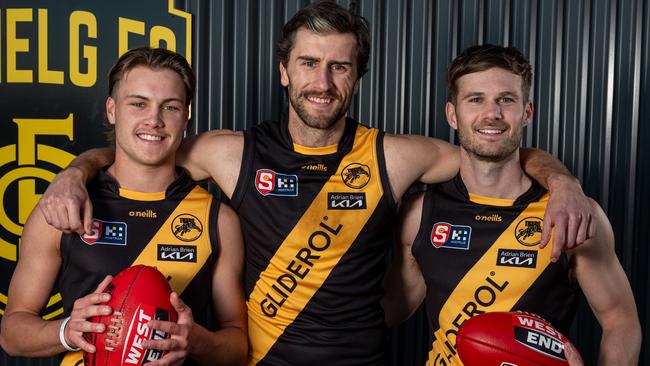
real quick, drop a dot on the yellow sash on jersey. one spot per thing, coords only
(197, 202)
(487, 287)
(179, 274)
(331, 230)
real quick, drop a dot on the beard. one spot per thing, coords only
(322, 120)
(490, 152)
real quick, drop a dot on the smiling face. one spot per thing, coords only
(489, 113)
(321, 78)
(149, 113)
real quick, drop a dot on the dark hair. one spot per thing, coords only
(487, 56)
(327, 17)
(153, 58)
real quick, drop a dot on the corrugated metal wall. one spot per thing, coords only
(591, 92)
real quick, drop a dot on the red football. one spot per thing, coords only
(138, 294)
(510, 338)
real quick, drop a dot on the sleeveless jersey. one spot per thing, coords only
(481, 254)
(174, 231)
(317, 224)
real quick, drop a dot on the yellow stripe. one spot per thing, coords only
(504, 285)
(324, 150)
(197, 203)
(489, 201)
(54, 299)
(142, 196)
(53, 314)
(264, 330)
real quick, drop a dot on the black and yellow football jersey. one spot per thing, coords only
(175, 231)
(480, 254)
(317, 224)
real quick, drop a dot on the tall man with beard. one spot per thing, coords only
(316, 194)
(469, 245)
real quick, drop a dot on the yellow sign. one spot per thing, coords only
(53, 62)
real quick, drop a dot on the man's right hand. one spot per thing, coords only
(66, 204)
(83, 309)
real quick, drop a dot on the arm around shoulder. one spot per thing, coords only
(568, 211)
(215, 154)
(415, 158)
(609, 294)
(67, 196)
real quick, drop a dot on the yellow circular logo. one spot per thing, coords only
(529, 231)
(356, 175)
(187, 227)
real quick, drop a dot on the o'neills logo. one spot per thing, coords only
(150, 214)
(320, 167)
(488, 218)
(296, 271)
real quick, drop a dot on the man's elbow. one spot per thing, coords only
(241, 356)
(621, 340)
(7, 344)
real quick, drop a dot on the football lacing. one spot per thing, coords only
(114, 329)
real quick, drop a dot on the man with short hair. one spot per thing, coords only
(470, 245)
(316, 194)
(141, 198)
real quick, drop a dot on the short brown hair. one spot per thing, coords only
(153, 58)
(487, 56)
(327, 17)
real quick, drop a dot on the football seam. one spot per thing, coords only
(128, 291)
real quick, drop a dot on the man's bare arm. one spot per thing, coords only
(568, 211)
(215, 154)
(404, 284)
(29, 292)
(414, 158)
(229, 344)
(608, 292)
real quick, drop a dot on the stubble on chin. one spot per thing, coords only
(487, 154)
(323, 122)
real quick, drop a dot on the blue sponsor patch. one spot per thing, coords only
(446, 235)
(106, 232)
(270, 183)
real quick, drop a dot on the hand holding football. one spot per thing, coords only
(138, 294)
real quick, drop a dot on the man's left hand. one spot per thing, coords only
(177, 345)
